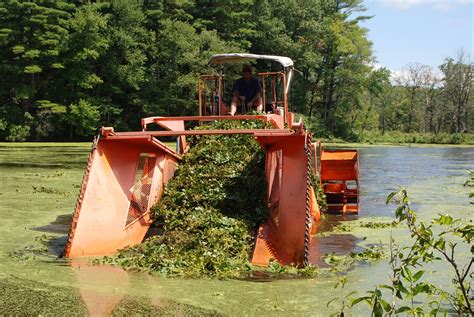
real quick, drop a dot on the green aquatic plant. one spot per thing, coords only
(341, 263)
(378, 225)
(282, 270)
(142, 306)
(350, 226)
(319, 192)
(437, 241)
(50, 190)
(209, 212)
(29, 297)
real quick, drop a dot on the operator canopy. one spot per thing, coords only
(286, 62)
(238, 57)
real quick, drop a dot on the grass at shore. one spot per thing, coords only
(396, 137)
(364, 139)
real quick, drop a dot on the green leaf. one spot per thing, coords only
(406, 273)
(402, 309)
(57, 65)
(418, 275)
(441, 244)
(399, 212)
(389, 197)
(387, 287)
(378, 293)
(18, 49)
(386, 306)
(378, 310)
(32, 54)
(360, 299)
(401, 288)
(33, 69)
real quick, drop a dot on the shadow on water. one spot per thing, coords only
(62, 224)
(56, 244)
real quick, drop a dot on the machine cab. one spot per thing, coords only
(213, 89)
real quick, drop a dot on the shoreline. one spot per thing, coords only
(325, 143)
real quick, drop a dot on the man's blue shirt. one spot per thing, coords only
(247, 88)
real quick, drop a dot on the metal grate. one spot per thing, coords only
(142, 188)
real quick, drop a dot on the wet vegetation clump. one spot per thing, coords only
(209, 211)
(342, 263)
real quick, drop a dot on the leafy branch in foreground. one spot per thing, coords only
(470, 183)
(429, 246)
(431, 242)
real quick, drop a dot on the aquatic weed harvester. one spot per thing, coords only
(127, 172)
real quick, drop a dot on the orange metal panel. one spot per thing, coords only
(282, 236)
(337, 174)
(144, 134)
(339, 155)
(315, 212)
(100, 224)
(337, 168)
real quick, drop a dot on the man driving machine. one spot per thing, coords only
(247, 93)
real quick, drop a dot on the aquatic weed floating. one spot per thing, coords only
(209, 211)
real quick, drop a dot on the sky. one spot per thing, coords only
(423, 31)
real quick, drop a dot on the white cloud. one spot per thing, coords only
(437, 4)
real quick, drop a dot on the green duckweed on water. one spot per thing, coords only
(22, 297)
(142, 306)
(32, 220)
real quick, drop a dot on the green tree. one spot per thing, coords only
(176, 64)
(458, 77)
(33, 40)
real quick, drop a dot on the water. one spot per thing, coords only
(37, 196)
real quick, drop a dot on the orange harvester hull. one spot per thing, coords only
(127, 171)
(340, 179)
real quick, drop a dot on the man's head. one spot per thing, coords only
(247, 72)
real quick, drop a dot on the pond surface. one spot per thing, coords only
(37, 197)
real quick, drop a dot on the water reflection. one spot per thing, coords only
(101, 287)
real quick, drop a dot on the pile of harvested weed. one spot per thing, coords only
(209, 210)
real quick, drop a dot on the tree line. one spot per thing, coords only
(69, 67)
(422, 99)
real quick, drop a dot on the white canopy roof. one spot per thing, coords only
(240, 57)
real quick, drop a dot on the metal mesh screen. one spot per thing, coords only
(142, 188)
